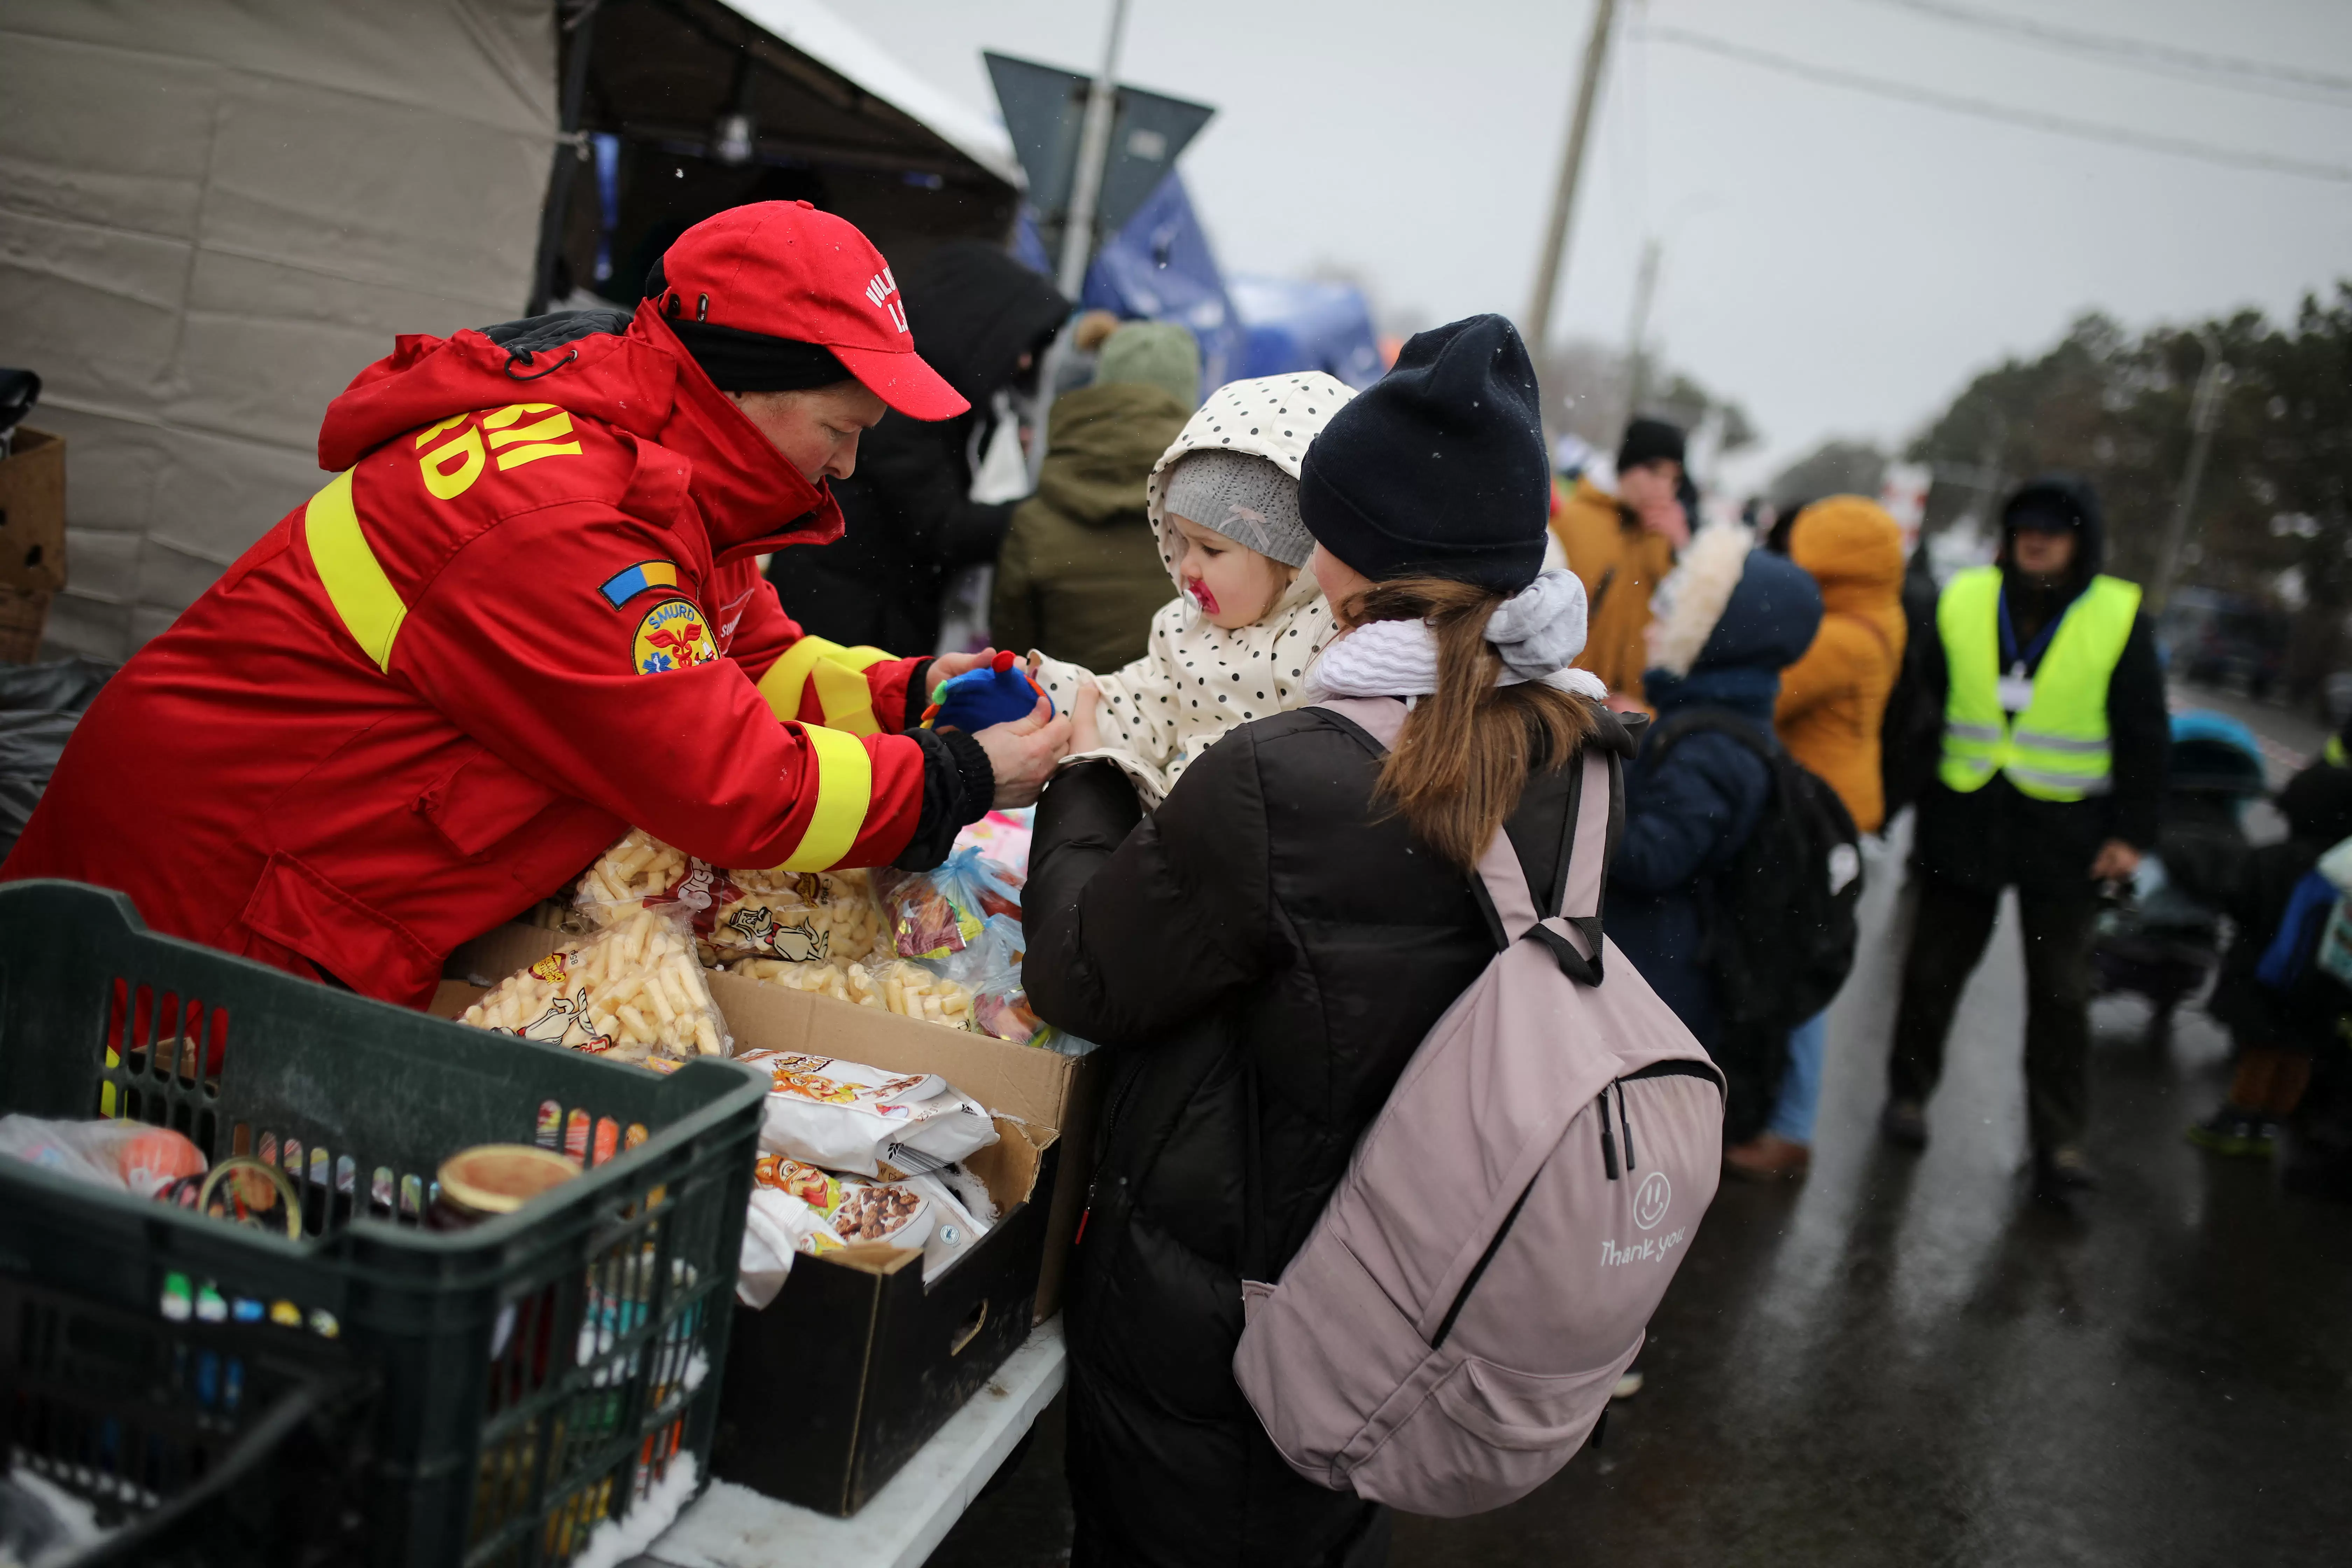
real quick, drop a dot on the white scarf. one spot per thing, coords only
(1537, 631)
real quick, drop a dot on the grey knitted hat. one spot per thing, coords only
(1245, 498)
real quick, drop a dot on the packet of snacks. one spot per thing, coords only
(796, 916)
(633, 992)
(934, 913)
(846, 1116)
(895, 985)
(795, 1207)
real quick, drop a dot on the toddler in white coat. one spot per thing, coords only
(1246, 622)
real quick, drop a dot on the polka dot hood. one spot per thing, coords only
(1197, 680)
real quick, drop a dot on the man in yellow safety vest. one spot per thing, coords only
(2051, 769)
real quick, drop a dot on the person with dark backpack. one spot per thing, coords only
(1828, 717)
(1722, 891)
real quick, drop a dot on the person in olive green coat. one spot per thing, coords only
(1080, 574)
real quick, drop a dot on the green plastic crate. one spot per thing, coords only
(538, 1372)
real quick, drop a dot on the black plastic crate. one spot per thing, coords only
(538, 1372)
(197, 1444)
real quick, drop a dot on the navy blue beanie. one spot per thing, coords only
(1438, 468)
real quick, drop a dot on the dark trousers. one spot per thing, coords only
(1947, 938)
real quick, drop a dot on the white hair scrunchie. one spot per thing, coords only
(1536, 630)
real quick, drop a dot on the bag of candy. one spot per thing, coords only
(634, 990)
(933, 913)
(989, 968)
(127, 1156)
(799, 917)
(846, 1116)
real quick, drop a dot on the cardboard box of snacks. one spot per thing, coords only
(858, 1362)
(32, 540)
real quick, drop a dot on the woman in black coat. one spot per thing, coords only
(1262, 956)
(908, 519)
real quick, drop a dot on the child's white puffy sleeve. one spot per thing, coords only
(1136, 715)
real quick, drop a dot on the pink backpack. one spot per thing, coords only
(1448, 1335)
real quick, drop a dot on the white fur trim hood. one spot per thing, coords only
(1688, 604)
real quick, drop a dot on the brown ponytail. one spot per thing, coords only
(1459, 767)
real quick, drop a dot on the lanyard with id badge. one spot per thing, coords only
(2015, 688)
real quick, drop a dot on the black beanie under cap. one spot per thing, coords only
(1648, 441)
(738, 361)
(1439, 466)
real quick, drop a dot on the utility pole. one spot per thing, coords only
(2204, 416)
(1538, 325)
(1637, 334)
(1094, 154)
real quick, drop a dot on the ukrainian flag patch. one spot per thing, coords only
(622, 586)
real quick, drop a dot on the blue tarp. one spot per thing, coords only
(1294, 324)
(1159, 268)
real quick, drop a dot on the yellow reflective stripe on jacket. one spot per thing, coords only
(844, 788)
(2057, 749)
(841, 692)
(356, 585)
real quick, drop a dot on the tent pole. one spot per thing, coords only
(569, 150)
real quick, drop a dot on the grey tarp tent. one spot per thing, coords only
(214, 212)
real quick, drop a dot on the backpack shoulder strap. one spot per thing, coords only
(1379, 720)
(1572, 929)
(1595, 816)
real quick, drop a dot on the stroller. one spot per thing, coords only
(2161, 937)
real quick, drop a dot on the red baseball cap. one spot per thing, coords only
(783, 270)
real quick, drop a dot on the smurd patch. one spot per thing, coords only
(672, 637)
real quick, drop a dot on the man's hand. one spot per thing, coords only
(2117, 862)
(1084, 736)
(1668, 518)
(1023, 751)
(947, 665)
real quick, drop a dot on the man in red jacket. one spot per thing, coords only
(524, 617)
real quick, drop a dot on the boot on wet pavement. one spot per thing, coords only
(2062, 1172)
(1904, 1123)
(1768, 1157)
(2239, 1133)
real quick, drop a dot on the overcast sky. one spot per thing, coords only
(1840, 263)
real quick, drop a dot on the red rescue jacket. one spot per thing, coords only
(521, 618)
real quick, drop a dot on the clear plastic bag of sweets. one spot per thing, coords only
(795, 916)
(936, 912)
(127, 1156)
(990, 970)
(633, 991)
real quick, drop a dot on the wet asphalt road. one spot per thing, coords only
(1907, 1360)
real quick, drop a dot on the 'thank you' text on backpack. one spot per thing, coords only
(1449, 1334)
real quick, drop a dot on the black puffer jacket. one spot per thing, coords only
(907, 513)
(1260, 953)
(1995, 837)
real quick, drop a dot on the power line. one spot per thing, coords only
(2088, 131)
(2124, 51)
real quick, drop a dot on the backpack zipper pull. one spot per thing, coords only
(1607, 1140)
(1622, 1122)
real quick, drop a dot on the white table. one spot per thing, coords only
(734, 1527)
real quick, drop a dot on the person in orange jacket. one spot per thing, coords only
(524, 617)
(1828, 716)
(1622, 547)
